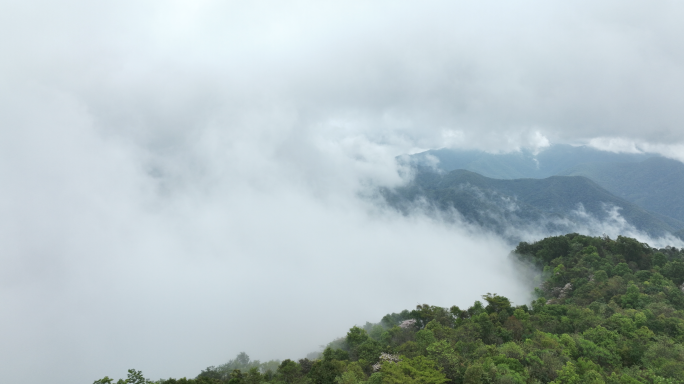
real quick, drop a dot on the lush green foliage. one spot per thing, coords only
(607, 311)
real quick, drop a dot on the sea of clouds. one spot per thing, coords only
(181, 181)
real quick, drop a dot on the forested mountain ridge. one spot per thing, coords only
(549, 161)
(650, 181)
(655, 183)
(607, 311)
(557, 204)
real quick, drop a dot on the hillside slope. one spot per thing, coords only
(607, 312)
(656, 184)
(556, 204)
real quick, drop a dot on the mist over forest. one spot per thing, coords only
(185, 181)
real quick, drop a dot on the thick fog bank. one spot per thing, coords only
(119, 255)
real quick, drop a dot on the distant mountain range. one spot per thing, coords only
(557, 190)
(551, 161)
(656, 184)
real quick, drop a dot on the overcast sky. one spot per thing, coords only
(180, 180)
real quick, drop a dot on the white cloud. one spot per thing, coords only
(171, 251)
(626, 145)
(615, 144)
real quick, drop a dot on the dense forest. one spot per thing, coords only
(606, 311)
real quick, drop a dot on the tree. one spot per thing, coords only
(355, 337)
(473, 375)
(236, 377)
(631, 298)
(567, 375)
(621, 269)
(335, 354)
(289, 372)
(446, 357)
(426, 313)
(136, 377)
(419, 370)
(496, 303)
(325, 371)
